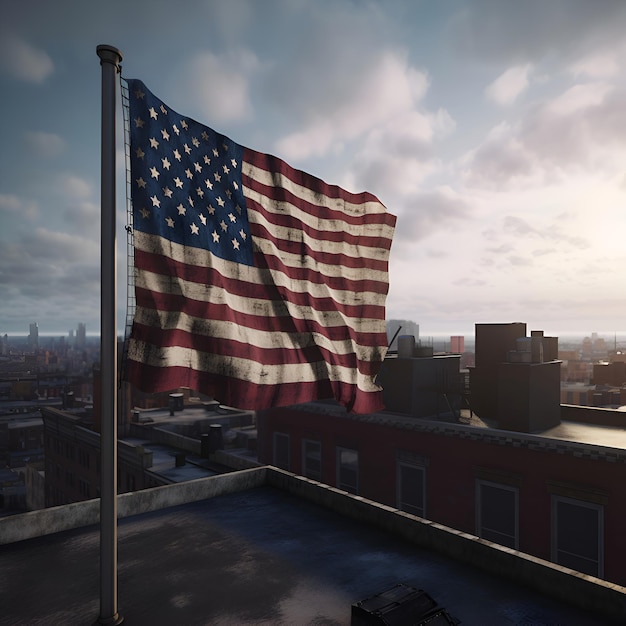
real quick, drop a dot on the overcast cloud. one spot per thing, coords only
(493, 129)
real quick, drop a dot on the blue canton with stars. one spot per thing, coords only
(186, 180)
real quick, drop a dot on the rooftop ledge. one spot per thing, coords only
(481, 562)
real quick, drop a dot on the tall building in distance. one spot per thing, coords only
(81, 333)
(457, 344)
(33, 336)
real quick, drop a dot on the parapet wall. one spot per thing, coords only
(593, 415)
(589, 593)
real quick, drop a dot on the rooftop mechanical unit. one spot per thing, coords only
(401, 605)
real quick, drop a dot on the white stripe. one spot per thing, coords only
(275, 179)
(282, 207)
(232, 270)
(241, 304)
(169, 320)
(356, 251)
(245, 369)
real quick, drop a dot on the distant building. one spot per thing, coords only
(457, 344)
(81, 335)
(33, 336)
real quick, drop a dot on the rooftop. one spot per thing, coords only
(265, 546)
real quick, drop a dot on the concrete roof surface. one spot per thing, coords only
(259, 556)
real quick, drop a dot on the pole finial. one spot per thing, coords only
(109, 54)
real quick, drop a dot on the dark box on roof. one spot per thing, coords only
(401, 605)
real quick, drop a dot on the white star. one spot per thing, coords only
(139, 122)
(209, 184)
(225, 146)
(215, 152)
(140, 153)
(175, 129)
(238, 209)
(170, 222)
(220, 201)
(153, 114)
(145, 213)
(233, 162)
(167, 192)
(207, 160)
(223, 225)
(226, 170)
(235, 244)
(141, 183)
(188, 172)
(195, 142)
(217, 177)
(211, 209)
(163, 109)
(187, 149)
(190, 200)
(215, 236)
(242, 234)
(202, 219)
(166, 163)
(154, 173)
(197, 167)
(155, 201)
(154, 143)
(181, 209)
(177, 155)
(165, 134)
(199, 192)
(178, 182)
(232, 218)
(204, 135)
(194, 229)
(229, 194)
(184, 124)
(235, 185)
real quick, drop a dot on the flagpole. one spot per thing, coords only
(110, 58)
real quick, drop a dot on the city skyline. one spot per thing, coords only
(492, 130)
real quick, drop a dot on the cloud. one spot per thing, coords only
(598, 65)
(509, 85)
(577, 131)
(221, 84)
(45, 144)
(534, 29)
(425, 213)
(372, 94)
(578, 98)
(23, 61)
(16, 208)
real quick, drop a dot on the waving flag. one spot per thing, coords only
(255, 283)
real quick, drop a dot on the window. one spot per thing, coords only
(411, 488)
(312, 459)
(348, 470)
(578, 535)
(281, 450)
(497, 513)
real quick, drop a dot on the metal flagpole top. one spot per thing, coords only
(108, 54)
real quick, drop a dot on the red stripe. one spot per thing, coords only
(273, 165)
(310, 354)
(210, 277)
(245, 395)
(261, 323)
(319, 256)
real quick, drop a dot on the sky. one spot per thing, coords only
(493, 129)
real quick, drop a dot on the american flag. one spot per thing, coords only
(255, 283)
